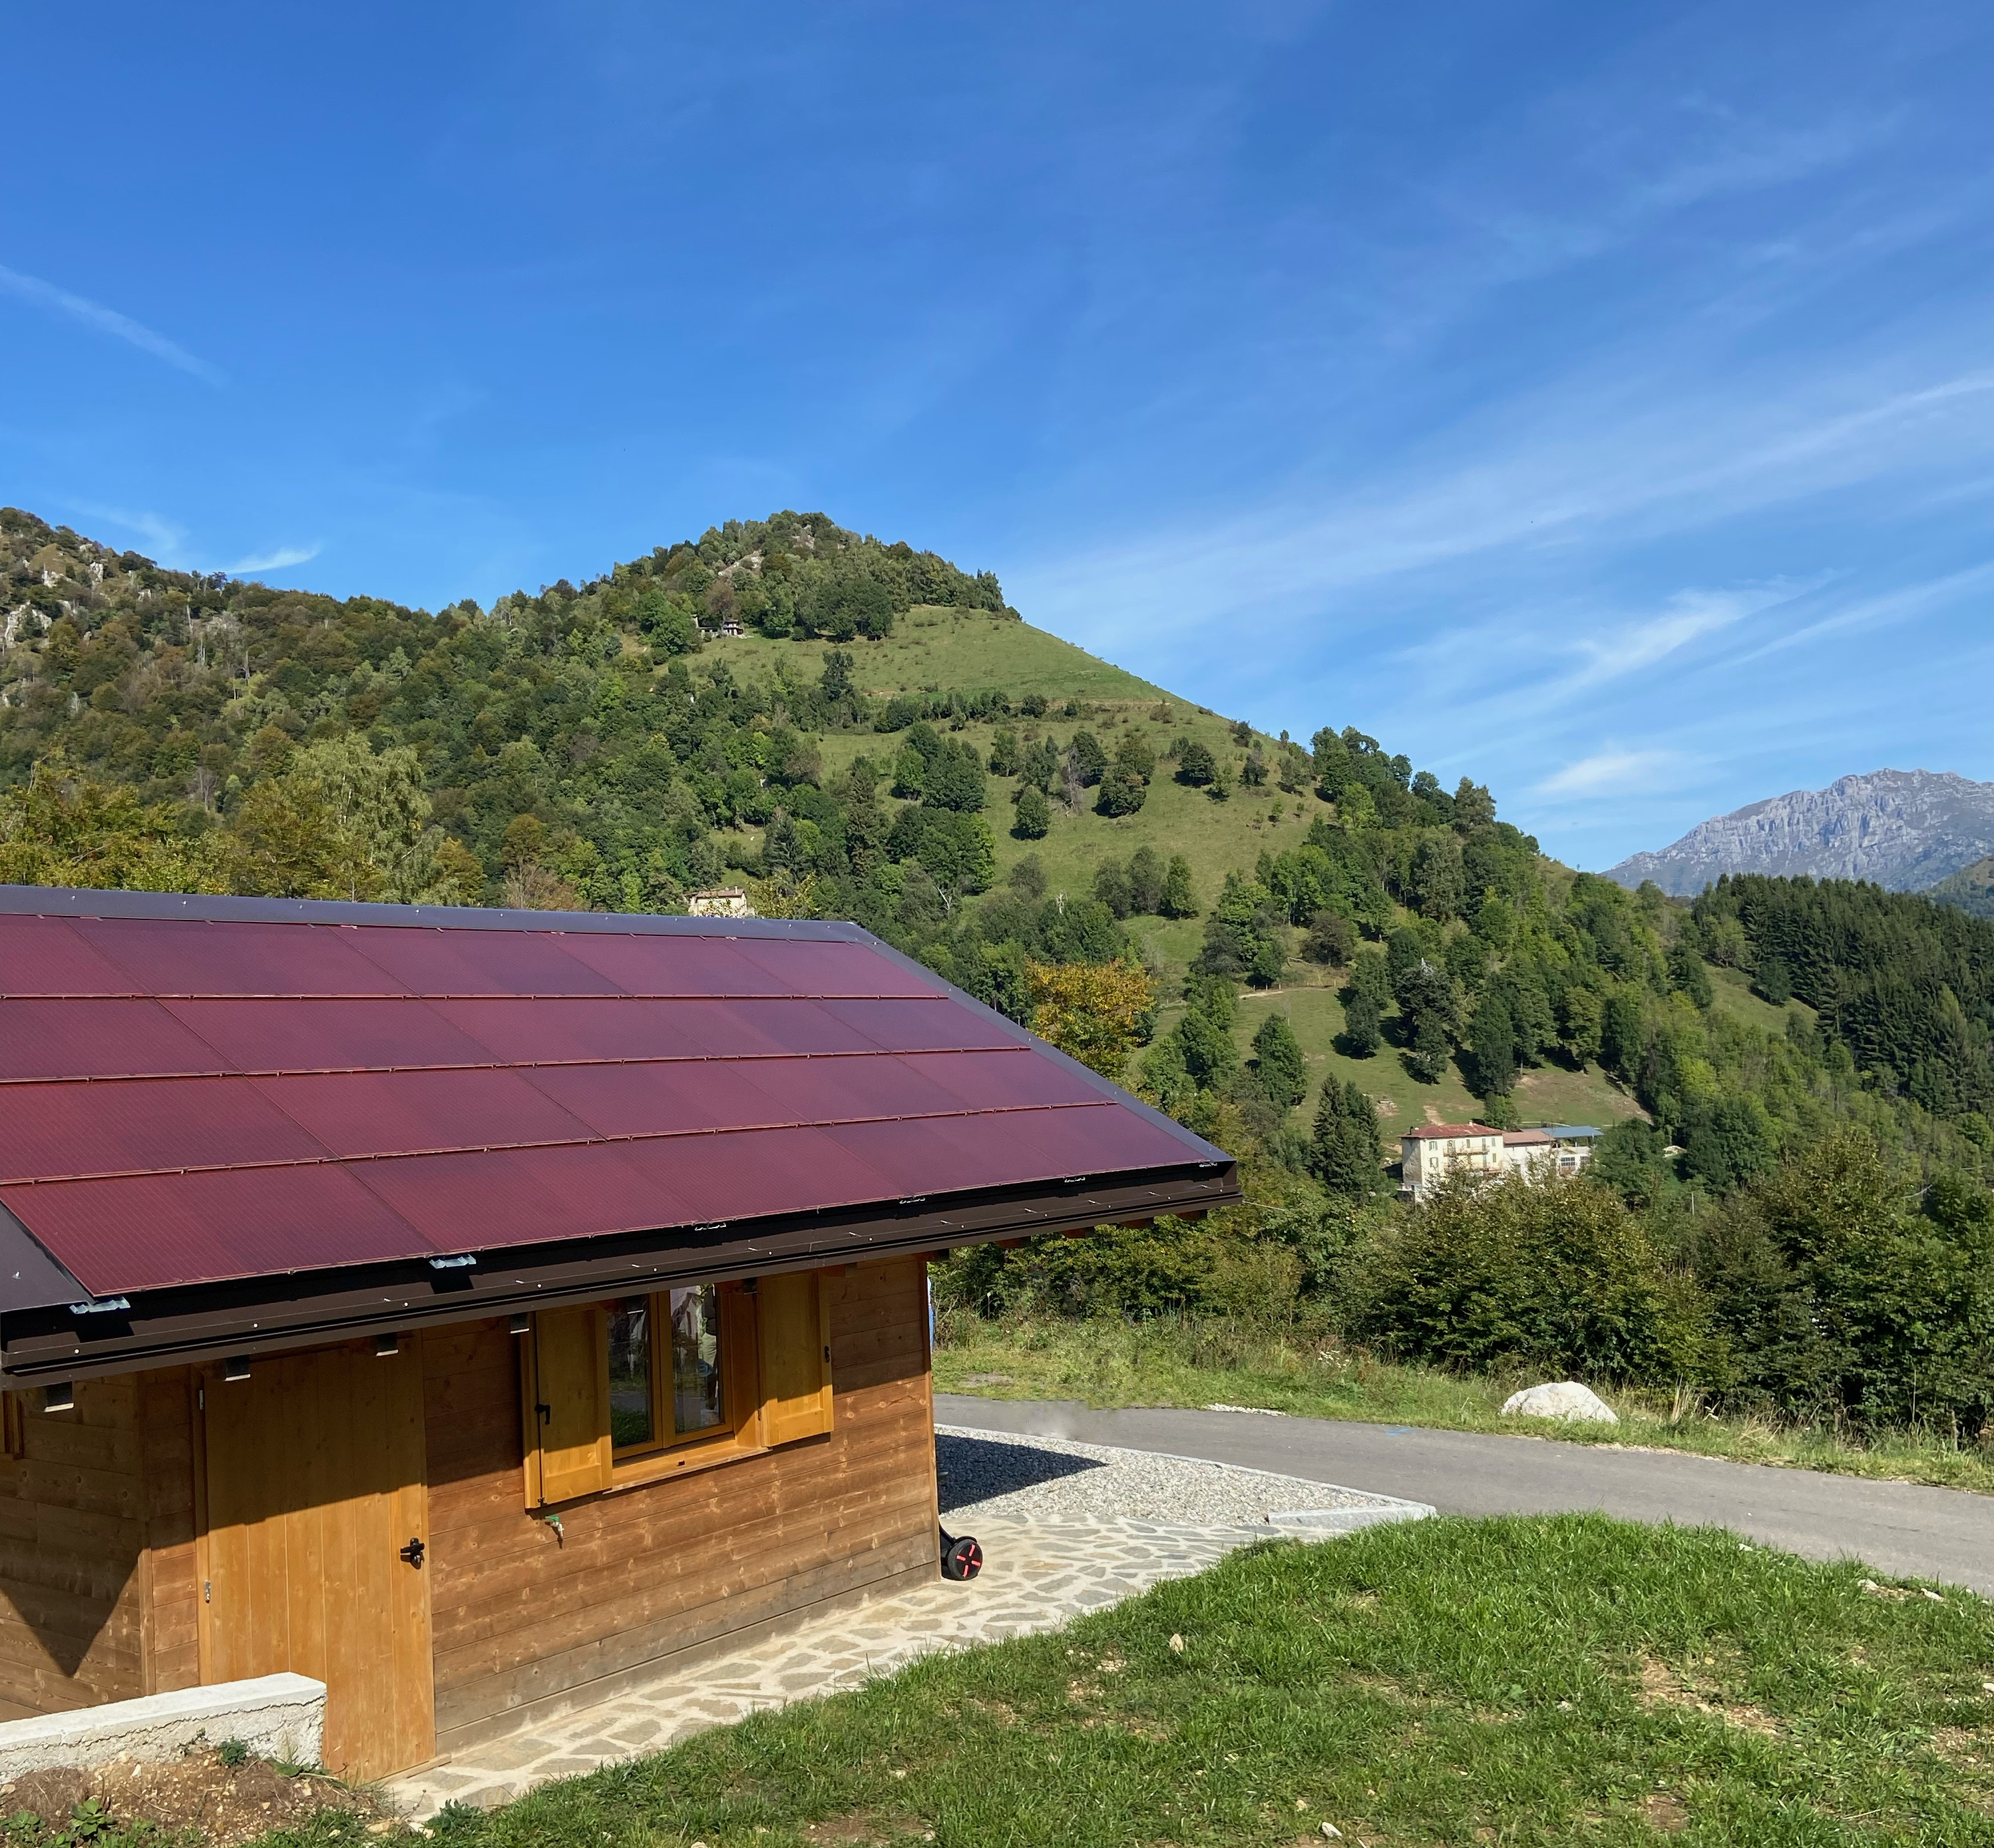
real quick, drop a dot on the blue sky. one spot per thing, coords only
(1597, 401)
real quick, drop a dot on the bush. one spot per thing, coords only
(1839, 1286)
(1033, 819)
(1558, 1275)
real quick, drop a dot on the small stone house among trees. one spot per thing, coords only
(476, 1310)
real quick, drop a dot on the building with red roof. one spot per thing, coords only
(476, 1310)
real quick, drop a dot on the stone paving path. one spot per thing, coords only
(1036, 1578)
(1057, 1541)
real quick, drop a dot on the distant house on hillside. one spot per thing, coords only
(1434, 1153)
(720, 901)
(1573, 1143)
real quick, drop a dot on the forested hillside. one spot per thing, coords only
(1298, 949)
(886, 740)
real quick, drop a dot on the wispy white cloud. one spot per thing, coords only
(274, 560)
(1610, 773)
(1587, 467)
(1688, 617)
(107, 320)
(165, 539)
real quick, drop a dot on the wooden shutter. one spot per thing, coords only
(564, 1376)
(795, 1311)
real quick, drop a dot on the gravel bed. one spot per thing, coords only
(997, 1476)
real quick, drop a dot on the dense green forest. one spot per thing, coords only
(861, 730)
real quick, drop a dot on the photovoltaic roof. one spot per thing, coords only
(193, 1091)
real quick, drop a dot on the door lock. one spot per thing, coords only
(413, 1552)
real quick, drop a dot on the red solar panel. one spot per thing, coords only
(676, 965)
(995, 1081)
(938, 1026)
(53, 1131)
(754, 1172)
(991, 1151)
(518, 1032)
(44, 956)
(154, 1231)
(394, 1112)
(831, 968)
(644, 1100)
(97, 1039)
(525, 1197)
(181, 956)
(341, 1035)
(831, 1090)
(525, 1032)
(442, 962)
(421, 1088)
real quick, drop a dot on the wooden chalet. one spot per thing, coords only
(477, 1310)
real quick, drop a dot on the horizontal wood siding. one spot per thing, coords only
(72, 1539)
(522, 1616)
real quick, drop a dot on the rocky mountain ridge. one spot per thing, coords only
(1906, 830)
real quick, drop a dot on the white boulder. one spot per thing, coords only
(1565, 1399)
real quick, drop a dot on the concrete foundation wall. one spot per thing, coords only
(280, 1716)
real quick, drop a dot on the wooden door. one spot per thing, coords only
(315, 1487)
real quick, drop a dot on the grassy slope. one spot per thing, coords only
(1732, 991)
(1555, 1681)
(1162, 1363)
(940, 650)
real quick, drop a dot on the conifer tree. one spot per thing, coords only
(1344, 1152)
(1278, 1062)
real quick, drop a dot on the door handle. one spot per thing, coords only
(413, 1552)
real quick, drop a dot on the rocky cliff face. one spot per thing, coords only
(1905, 829)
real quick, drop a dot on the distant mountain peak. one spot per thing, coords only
(1907, 830)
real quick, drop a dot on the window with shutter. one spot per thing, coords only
(564, 1382)
(639, 1389)
(794, 1311)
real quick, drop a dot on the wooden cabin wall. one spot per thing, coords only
(172, 1584)
(97, 1580)
(72, 1540)
(522, 1616)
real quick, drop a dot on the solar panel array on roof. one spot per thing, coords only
(188, 1099)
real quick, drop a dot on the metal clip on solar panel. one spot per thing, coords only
(101, 1305)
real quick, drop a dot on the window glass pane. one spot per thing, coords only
(630, 1419)
(696, 1376)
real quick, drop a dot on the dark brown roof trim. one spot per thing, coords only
(47, 1341)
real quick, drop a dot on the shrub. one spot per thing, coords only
(1558, 1275)
(1839, 1286)
(1033, 819)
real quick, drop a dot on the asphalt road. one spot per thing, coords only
(1899, 1528)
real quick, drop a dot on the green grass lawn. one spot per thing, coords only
(1568, 1680)
(1112, 1362)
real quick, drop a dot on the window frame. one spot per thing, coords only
(772, 1402)
(666, 1453)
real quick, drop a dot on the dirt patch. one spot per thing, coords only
(1964, 1745)
(864, 1828)
(1661, 1687)
(1664, 1814)
(228, 1803)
